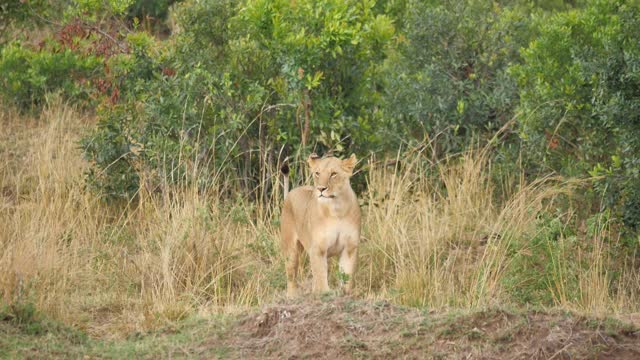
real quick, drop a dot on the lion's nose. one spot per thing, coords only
(322, 188)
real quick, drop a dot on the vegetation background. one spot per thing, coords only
(139, 176)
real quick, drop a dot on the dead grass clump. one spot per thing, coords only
(120, 269)
(441, 235)
(49, 222)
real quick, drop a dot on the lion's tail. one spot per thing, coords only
(285, 173)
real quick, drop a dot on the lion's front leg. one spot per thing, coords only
(347, 264)
(318, 262)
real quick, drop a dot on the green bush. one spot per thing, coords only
(28, 75)
(450, 76)
(241, 84)
(580, 101)
(20, 12)
(157, 9)
(247, 78)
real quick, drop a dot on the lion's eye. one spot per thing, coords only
(317, 174)
(333, 174)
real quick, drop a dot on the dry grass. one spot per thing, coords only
(117, 270)
(48, 220)
(438, 235)
(443, 235)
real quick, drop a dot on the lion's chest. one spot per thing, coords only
(338, 235)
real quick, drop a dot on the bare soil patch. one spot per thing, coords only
(344, 328)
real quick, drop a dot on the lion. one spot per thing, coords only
(323, 220)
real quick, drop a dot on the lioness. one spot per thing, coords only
(324, 220)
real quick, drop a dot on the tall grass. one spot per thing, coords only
(120, 268)
(49, 224)
(443, 234)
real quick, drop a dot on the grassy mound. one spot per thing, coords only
(337, 328)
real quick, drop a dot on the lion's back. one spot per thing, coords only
(297, 200)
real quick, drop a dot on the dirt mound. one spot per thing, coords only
(346, 328)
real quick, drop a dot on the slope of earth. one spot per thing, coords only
(344, 328)
(338, 328)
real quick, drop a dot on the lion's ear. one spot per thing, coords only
(349, 164)
(312, 160)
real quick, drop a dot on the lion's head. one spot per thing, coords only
(331, 175)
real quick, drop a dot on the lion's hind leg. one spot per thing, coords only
(292, 250)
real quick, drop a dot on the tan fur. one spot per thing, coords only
(324, 220)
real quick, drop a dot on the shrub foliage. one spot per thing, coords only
(237, 86)
(579, 91)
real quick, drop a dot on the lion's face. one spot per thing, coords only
(331, 175)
